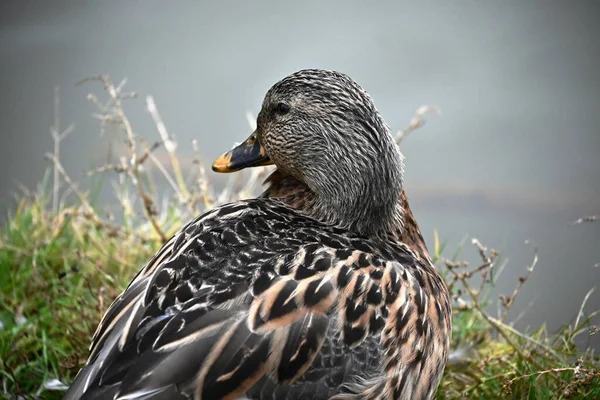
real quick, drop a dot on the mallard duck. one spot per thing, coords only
(320, 288)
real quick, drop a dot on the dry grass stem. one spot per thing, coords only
(418, 121)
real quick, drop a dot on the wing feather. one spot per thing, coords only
(232, 305)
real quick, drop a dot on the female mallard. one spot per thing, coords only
(320, 288)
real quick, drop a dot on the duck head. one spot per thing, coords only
(323, 129)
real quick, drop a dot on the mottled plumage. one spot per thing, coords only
(321, 288)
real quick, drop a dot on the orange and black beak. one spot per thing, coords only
(250, 153)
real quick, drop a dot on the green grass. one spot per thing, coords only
(60, 270)
(57, 275)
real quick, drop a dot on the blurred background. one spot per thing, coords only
(514, 155)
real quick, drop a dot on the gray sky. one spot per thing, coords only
(513, 157)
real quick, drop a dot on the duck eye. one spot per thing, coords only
(282, 108)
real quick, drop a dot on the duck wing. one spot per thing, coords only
(251, 297)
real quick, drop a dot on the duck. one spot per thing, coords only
(320, 288)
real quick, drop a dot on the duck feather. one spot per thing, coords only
(253, 295)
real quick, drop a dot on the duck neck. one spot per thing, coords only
(294, 193)
(404, 227)
(360, 190)
(369, 207)
(366, 215)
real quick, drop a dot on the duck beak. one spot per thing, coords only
(250, 153)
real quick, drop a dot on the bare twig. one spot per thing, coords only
(585, 299)
(82, 198)
(202, 181)
(166, 174)
(251, 118)
(589, 218)
(489, 257)
(170, 145)
(501, 325)
(107, 167)
(507, 301)
(113, 111)
(576, 370)
(417, 121)
(57, 137)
